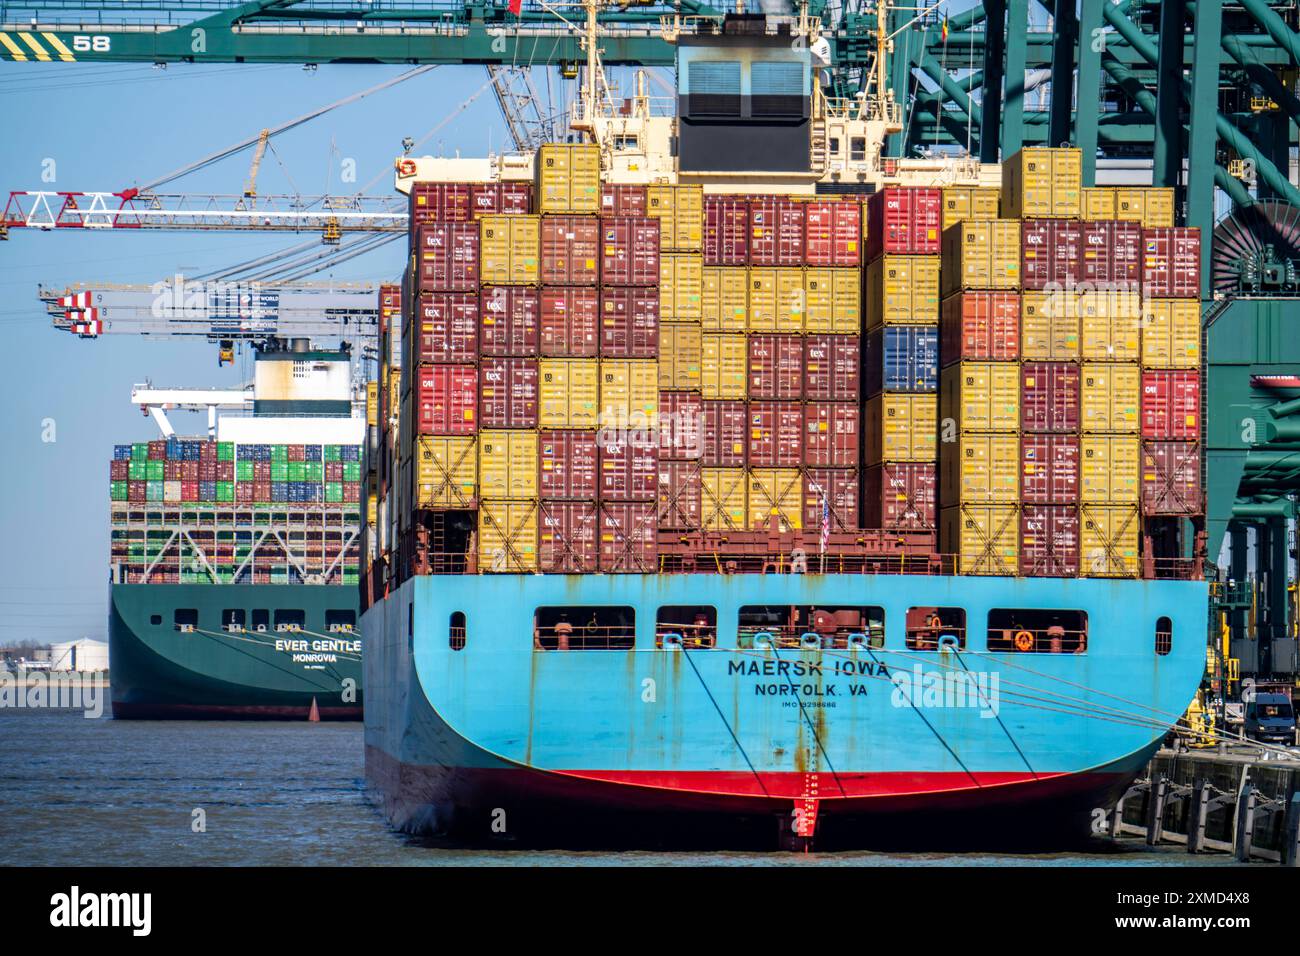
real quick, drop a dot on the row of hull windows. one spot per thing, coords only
(261, 620)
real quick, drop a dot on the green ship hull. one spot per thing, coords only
(172, 655)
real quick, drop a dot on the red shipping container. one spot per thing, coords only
(136, 490)
(979, 326)
(776, 367)
(296, 453)
(570, 322)
(446, 399)
(448, 328)
(1049, 541)
(351, 491)
(1171, 478)
(899, 496)
(832, 233)
(262, 471)
(775, 435)
(839, 488)
(681, 495)
(206, 470)
(509, 318)
(439, 202)
(1050, 253)
(726, 230)
(119, 470)
(1171, 404)
(567, 463)
(629, 471)
(261, 491)
(725, 433)
(832, 369)
(629, 251)
(158, 450)
(189, 491)
(1049, 469)
(570, 250)
(208, 451)
(1049, 397)
(447, 255)
(174, 470)
(245, 491)
(1171, 262)
(629, 537)
(681, 417)
(333, 471)
(629, 322)
(501, 199)
(567, 533)
(776, 228)
(904, 220)
(508, 393)
(225, 471)
(622, 199)
(832, 435)
(1111, 254)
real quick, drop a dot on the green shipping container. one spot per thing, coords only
(333, 453)
(279, 453)
(352, 471)
(225, 451)
(313, 471)
(137, 470)
(154, 471)
(153, 489)
(117, 490)
(243, 471)
(225, 491)
(297, 471)
(279, 470)
(140, 451)
(333, 491)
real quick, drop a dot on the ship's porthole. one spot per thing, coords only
(155, 619)
(1164, 636)
(456, 634)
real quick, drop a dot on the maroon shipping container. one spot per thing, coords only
(1050, 253)
(508, 393)
(1171, 404)
(899, 496)
(174, 470)
(1171, 262)
(447, 253)
(447, 328)
(446, 399)
(1111, 253)
(509, 321)
(570, 250)
(680, 495)
(776, 367)
(839, 488)
(333, 471)
(570, 322)
(904, 220)
(725, 433)
(726, 231)
(628, 537)
(501, 199)
(1049, 397)
(440, 202)
(208, 451)
(832, 435)
(629, 471)
(1049, 469)
(681, 416)
(189, 491)
(832, 370)
(158, 450)
(629, 322)
(979, 326)
(1049, 541)
(776, 226)
(833, 232)
(775, 434)
(225, 471)
(622, 200)
(136, 490)
(1171, 478)
(567, 465)
(567, 533)
(629, 251)
(262, 471)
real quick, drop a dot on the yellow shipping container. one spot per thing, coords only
(1109, 538)
(629, 393)
(568, 393)
(724, 298)
(680, 345)
(681, 280)
(372, 404)
(1110, 393)
(724, 499)
(724, 366)
(980, 396)
(508, 250)
(1171, 333)
(507, 536)
(1110, 326)
(980, 254)
(1098, 203)
(900, 427)
(1152, 206)
(789, 300)
(980, 468)
(775, 492)
(1043, 183)
(507, 463)
(1109, 468)
(902, 290)
(970, 202)
(985, 538)
(762, 306)
(446, 473)
(568, 178)
(680, 211)
(1049, 326)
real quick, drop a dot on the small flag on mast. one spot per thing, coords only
(943, 32)
(826, 521)
(516, 6)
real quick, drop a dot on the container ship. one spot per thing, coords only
(737, 480)
(236, 556)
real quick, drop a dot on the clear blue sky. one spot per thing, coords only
(108, 127)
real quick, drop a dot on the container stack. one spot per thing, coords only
(900, 357)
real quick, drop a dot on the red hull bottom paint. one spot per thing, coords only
(228, 712)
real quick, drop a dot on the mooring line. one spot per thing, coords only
(725, 723)
(996, 715)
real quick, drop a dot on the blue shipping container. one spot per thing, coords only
(901, 358)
